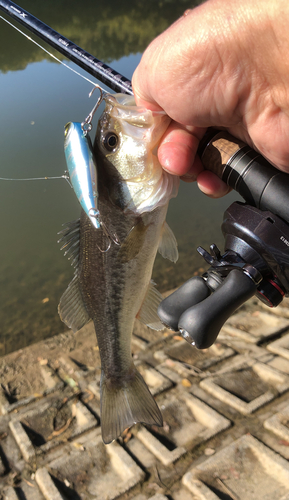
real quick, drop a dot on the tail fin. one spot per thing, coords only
(125, 404)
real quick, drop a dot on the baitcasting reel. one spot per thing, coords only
(256, 258)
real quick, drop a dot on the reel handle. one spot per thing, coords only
(201, 323)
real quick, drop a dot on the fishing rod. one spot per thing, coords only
(76, 54)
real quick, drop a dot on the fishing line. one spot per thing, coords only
(49, 53)
(74, 71)
(65, 177)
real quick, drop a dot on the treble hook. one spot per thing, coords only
(111, 239)
(86, 124)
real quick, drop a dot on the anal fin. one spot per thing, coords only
(148, 311)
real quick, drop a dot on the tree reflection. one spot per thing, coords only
(108, 29)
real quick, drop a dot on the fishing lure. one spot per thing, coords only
(81, 163)
(82, 168)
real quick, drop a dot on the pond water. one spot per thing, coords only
(37, 98)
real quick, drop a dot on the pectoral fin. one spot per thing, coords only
(71, 307)
(133, 243)
(168, 246)
(148, 312)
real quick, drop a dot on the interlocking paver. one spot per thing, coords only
(90, 468)
(49, 382)
(246, 384)
(254, 326)
(10, 494)
(50, 443)
(280, 346)
(34, 431)
(187, 424)
(279, 424)
(246, 469)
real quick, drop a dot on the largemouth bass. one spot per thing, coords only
(114, 287)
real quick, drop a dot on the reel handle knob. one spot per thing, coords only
(190, 293)
(201, 323)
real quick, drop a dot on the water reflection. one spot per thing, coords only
(35, 105)
(108, 29)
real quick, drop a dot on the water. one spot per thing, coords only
(37, 98)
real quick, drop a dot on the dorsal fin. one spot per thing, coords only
(168, 246)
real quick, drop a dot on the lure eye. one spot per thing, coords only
(67, 129)
(110, 141)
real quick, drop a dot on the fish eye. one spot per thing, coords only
(110, 141)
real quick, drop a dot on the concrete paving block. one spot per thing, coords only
(34, 431)
(280, 346)
(246, 469)
(187, 423)
(158, 496)
(213, 423)
(279, 424)
(23, 441)
(155, 380)
(160, 451)
(279, 363)
(170, 373)
(246, 384)
(140, 452)
(90, 470)
(182, 494)
(50, 383)
(46, 485)
(254, 326)
(10, 494)
(281, 310)
(25, 490)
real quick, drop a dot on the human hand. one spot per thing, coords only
(223, 64)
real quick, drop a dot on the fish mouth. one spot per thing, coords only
(120, 100)
(122, 107)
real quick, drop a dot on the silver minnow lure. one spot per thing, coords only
(82, 169)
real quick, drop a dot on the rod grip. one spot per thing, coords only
(246, 171)
(216, 150)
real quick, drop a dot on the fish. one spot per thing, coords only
(114, 287)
